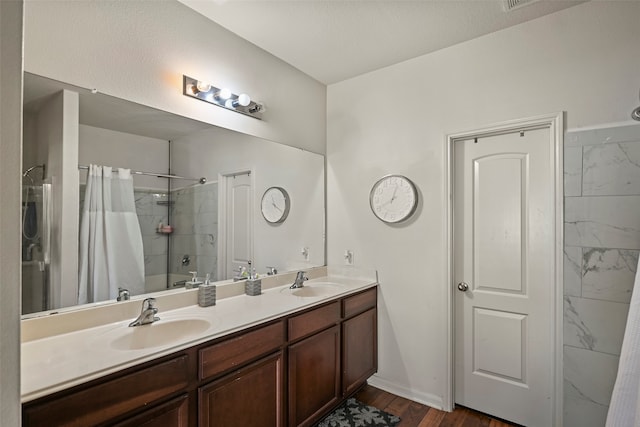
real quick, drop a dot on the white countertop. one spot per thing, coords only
(58, 362)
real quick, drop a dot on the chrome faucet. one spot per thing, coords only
(272, 271)
(299, 282)
(148, 313)
(123, 294)
(241, 274)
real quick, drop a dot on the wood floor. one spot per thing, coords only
(416, 415)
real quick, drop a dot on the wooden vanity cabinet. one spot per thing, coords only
(288, 372)
(314, 364)
(104, 401)
(253, 392)
(252, 396)
(359, 340)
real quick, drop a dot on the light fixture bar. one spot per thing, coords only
(222, 97)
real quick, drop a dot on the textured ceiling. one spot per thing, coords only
(333, 40)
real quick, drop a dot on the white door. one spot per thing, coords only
(504, 253)
(239, 196)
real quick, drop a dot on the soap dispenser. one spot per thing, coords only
(194, 282)
(253, 284)
(207, 293)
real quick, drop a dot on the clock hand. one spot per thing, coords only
(393, 196)
(276, 206)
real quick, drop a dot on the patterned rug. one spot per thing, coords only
(356, 414)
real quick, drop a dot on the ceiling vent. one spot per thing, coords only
(516, 4)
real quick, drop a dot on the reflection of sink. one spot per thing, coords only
(314, 289)
(159, 333)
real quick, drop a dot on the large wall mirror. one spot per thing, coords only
(184, 224)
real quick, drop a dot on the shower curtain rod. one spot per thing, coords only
(158, 175)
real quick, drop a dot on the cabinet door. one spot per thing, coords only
(314, 376)
(174, 413)
(251, 397)
(359, 350)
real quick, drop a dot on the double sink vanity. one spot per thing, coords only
(283, 358)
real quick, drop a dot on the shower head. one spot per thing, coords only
(28, 171)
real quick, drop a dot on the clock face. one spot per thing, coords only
(393, 198)
(275, 205)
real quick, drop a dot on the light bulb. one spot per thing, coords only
(223, 93)
(203, 86)
(244, 99)
(192, 89)
(229, 103)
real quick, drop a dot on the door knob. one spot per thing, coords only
(462, 287)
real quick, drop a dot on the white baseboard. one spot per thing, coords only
(425, 398)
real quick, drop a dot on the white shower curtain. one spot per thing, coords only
(624, 409)
(111, 253)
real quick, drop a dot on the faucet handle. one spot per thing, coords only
(123, 294)
(149, 303)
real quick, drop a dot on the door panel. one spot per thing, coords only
(504, 250)
(499, 344)
(500, 221)
(239, 208)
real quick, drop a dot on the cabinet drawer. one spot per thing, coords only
(174, 413)
(235, 352)
(103, 402)
(313, 321)
(359, 302)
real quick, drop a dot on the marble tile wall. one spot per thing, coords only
(602, 243)
(195, 221)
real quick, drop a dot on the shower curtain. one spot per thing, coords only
(111, 252)
(624, 409)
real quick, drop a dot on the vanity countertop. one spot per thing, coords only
(61, 361)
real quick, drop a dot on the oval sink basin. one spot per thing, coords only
(159, 333)
(314, 289)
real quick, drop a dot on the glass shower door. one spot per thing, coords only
(36, 214)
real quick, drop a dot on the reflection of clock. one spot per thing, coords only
(275, 205)
(393, 198)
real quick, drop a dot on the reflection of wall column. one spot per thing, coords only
(57, 129)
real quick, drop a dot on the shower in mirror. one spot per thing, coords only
(35, 228)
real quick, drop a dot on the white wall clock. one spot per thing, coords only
(393, 198)
(275, 205)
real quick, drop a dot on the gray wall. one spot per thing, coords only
(602, 240)
(10, 161)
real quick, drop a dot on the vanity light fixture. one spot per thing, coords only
(222, 97)
(223, 93)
